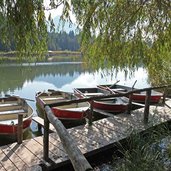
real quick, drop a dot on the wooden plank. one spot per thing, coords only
(122, 124)
(28, 157)
(112, 135)
(56, 154)
(40, 121)
(6, 162)
(84, 143)
(19, 163)
(92, 135)
(78, 141)
(2, 168)
(37, 149)
(34, 147)
(159, 114)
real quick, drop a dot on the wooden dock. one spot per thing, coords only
(90, 139)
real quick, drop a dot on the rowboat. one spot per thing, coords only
(138, 97)
(10, 108)
(112, 105)
(71, 112)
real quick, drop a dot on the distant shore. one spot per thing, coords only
(50, 56)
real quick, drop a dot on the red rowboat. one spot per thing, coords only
(112, 105)
(10, 107)
(136, 97)
(75, 111)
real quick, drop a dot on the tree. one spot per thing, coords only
(120, 33)
(24, 22)
(127, 32)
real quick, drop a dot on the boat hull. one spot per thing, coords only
(136, 97)
(12, 129)
(76, 111)
(112, 108)
(140, 98)
(113, 105)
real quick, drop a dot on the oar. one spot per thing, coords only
(80, 93)
(106, 87)
(7, 95)
(114, 84)
(113, 92)
(134, 84)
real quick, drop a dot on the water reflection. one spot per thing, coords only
(27, 79)
(15, 77)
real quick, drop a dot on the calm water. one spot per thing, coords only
(26, 80)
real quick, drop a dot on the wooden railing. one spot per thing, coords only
(78, 160)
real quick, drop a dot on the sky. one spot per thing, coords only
(55, 12)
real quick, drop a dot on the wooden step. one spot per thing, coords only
(40, 121)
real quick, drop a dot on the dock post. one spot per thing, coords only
(147, 104)
(90, 117)
(164, 96)
(39, 127)
(20, 129)
(130, 104)
(46, 138)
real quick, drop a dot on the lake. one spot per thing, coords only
(27, 79)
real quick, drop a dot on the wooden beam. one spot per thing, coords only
(40, 122)
(46, 138)
(90, 117)
(164, 96)
(78, 160)
(130, 104)
(20, 129)
(147, 105)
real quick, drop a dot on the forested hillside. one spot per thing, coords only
(63, 41)
(56, 41)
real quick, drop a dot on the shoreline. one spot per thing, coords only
(50, 56)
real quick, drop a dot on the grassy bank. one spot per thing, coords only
(145, 152)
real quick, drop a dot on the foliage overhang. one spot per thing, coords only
(120, 33)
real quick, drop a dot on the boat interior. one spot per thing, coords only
(11, 107)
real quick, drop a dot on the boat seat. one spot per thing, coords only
(9, 122)
(52, 98)
(118, 89)
(10, 107)
(9, 112)
(78, 109)
(8, 104)
(93, 94)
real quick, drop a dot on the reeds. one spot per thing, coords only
(143, 152)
